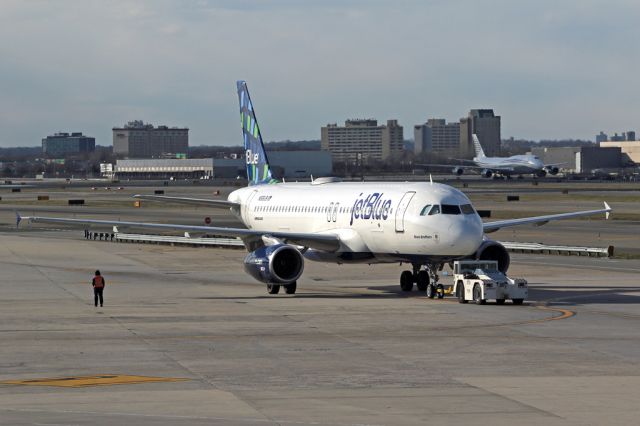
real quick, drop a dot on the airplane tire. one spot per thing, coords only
(517, 301)
(499, 301)
(460, 292)
(273, 288)
(406, 281)
(477, 294)
(291, 288)
(422, 281)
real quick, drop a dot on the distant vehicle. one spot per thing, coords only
(481, 280)
(502, 166)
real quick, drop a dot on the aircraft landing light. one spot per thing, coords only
(85, 381)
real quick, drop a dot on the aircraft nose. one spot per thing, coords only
(466, 236)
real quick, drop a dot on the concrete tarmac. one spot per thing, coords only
(187, 338)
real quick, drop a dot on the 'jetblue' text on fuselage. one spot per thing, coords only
(372, 206)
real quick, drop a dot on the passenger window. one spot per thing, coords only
(467, 209)
(425, 210)
(450, 209)
(435, 210)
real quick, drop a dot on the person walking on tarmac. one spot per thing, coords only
(98, 288)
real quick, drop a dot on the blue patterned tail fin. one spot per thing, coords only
(258, 171)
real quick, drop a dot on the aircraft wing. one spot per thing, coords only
(469, 167)
(541, 220)
(220, 204)
(326, 242)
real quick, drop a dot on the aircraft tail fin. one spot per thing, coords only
(477, 146)
(258, 170)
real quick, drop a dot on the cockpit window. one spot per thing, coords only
(434, 210)
(425, 210)
(467, 209)
(450, 209)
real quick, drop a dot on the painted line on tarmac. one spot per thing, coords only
(85, 381)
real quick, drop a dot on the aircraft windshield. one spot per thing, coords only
(450, 209)
(467, 209)
(425, 210)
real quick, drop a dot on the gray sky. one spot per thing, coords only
(551, 69)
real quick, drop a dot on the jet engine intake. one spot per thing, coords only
(541, 173)
(493, 250)
(486, 173)
(457, 171)
(276, 264)
(552, 170)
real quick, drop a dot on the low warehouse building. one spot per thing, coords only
(630, 149)
(287, 164)
(583, 159)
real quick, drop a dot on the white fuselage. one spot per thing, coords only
(379, 221)
(518, 164)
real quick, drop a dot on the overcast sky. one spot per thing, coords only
(550, 68)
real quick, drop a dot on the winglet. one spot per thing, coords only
(606, 206)
(430, 179)
(18, 220)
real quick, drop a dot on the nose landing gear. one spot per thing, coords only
(425, 279)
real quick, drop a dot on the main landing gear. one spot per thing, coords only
(425, 280)
(288, 288)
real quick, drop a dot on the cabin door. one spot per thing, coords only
(402, 208)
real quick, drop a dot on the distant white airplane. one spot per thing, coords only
(423, 224)
(502, 166)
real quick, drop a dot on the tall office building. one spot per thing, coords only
(436, 135)
(139, 140)
(61, 144)
(486, 125)
(362, 140)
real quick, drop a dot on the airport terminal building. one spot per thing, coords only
(287, 164)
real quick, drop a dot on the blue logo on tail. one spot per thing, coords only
(258, 171)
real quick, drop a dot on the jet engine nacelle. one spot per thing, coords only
(552, 170)
(493, 250)
(457, 171)
(276, 264)
(541, 173)
(486, 173)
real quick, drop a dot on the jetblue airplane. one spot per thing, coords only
(503, 166)
(425, 224)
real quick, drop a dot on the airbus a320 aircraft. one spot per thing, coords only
(503, 166)
(423, 224)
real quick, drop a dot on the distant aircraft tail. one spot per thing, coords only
(477, 146)
(258, 171)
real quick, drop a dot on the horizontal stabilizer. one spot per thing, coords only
(219, 204)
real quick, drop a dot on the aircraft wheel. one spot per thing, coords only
(499, 301)
(517, 301)
(477, 294)
(406, 281)
(273, 288)
(431, 291)
(460, 292)
(440, 291)
(291, 288)
(423, 280)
